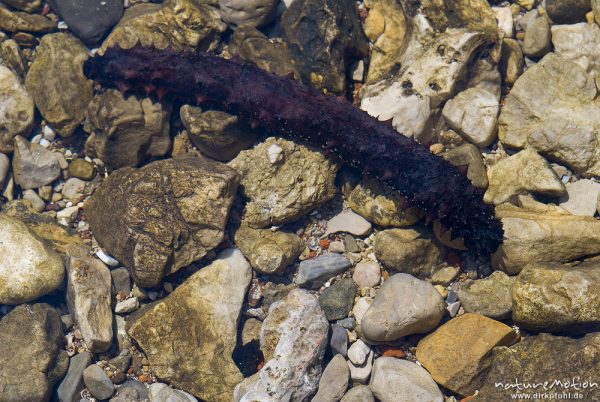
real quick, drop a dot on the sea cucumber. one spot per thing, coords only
(301, 113)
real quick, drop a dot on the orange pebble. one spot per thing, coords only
(144, 378)
(399, 353)
(324, 244)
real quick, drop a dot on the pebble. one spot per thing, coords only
(82, 169)
(348, 323)
(338, 299)
(107, 259)
(73, 189)
(453, 308)
(334, 381)
(121, 281)
(337, 246)
(358, 352)
(314, 273)
(127, 306)
(36, 202)
(33, 165)
(348, 222)
(490, 296)
(159, 392)
(581, 198)
(71, 386)
(4, 168)
(67, 216)
(367, 274)
(359, 393)
(567, 11)
(445, 276)
(361, 307)
(97, 382)
(537, 37)
(360, 373)
(338, 342)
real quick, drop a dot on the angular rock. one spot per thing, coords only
(552, 297)
(360, 373)
(470, 156)
(542, 358)
(29, 268)
(581, 198)
(348, 222)
(97, 382)
(254, 13)
(71, 386)
(324, 37)
(511, 63)
(33, 165)
(567, 11)
(163, 216)
(458, 353)
(537, 37)
(16, 109)
(315, 272)
(577, 43)
(88, 296)
(55, 80)
(338, 299)
(359, 393)
(381, 205)
(491, 297)
(522, 173)
(255, 47)
(338, 342)
(473, 113)
(216, 134)
(416, 73)
(23, 22)
(4, 168)
(359, 352)
(293, 340)
(36, 202)
(185, 25)
(283, 181)
(31, 342)
(334, 381)
(410, 382)
(74, 190)
(408, 251)
(536, 236)
(554, 109)
(268, 252)
(189, 336)
(89, 20)
(126, 131)
(403, 306)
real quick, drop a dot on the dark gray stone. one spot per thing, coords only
(568, 11)
(97, 382)
(121, 281)
(314, 273)
(338, 343)
(338, 299)
(71, 386)
(89, 20)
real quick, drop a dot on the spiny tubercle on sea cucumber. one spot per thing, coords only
(301, 113)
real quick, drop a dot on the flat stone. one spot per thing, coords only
(469, 154)
(338, 299)
(348, 222)
(445, 276)
(29, 268)
(189, 199)
(89, 20)
(16, 109)
(160, 392)
(553, 297)
(16, 21)
(382, 205)
(542, 358)
(360, 373)
(190, 335)
(410, 382)
(315, 272)
(537, 37)
(71, 386)
(55, 80)
(358, 352)
(293, 340)
(359, 393)
(33, 165)
(522, 173)
(549, 234)
(97, 382)
(458, 353)
(254, 13)
(283, 181)
(408, 251)
(491, 297)
(334, 381)
(473, 114)
(360, 308)
(338, 342)
(367, 274)
(403, 306)
(127, 306)
(31, 343)
(512, 61)
(581, 198)
(268, 252)
(88, 296)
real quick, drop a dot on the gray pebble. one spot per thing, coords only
(97, 382)
(314, 273)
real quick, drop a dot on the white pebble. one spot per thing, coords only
(68, 153)
(107, 259)
(275, 153)
(127, 306)
(62, 25)
(49, 134)
(69, 204)
(45, 143)
(453, 308)
(36, 139)
(88, 159)
(67, 215)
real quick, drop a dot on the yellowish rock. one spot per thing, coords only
(458, 354)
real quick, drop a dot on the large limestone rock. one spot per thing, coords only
(542, 358)
(552, 297)
(491, 296)
(426, 51)
(29, 268)
(125, 131)
(190, 335)
(522, 173)
(324, 36)
(16, 21)
(163, 216)
(293, 338)
(55, 80)
(543, 235)
(16, 109)
(88, 296)
(553, 108)
(184, 25)
(458, 353)
(283, 181)
(578, 43)
(381, 205)
(31, 342)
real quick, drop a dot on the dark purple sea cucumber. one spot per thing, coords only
(284, 106)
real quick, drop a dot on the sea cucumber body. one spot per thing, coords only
(291, 109)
